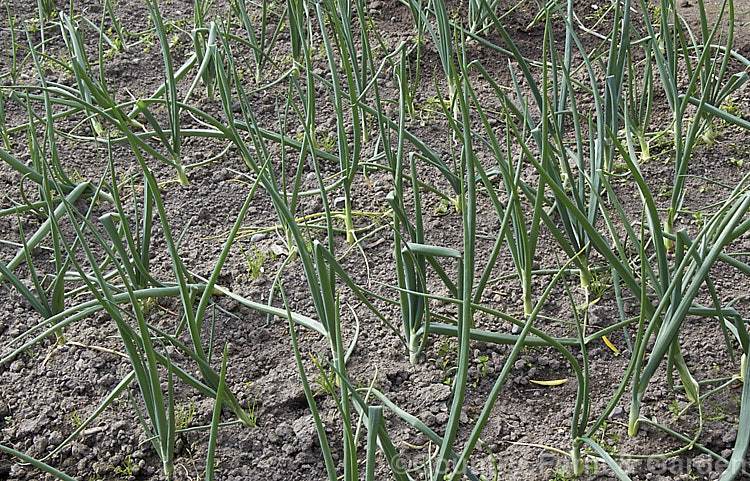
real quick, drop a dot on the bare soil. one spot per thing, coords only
(46, 391)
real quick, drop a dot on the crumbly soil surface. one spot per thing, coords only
(48, 390)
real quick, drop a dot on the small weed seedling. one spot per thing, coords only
(253, 408)
(184, 414)
(255, 261)
(445, 359)
(75, 419)
(125, 469)
(674, 408)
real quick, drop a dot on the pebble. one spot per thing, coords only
(16, 471)
(17, 365)
(217, 177)
(617, 412)
(107, 380)
(40, 444)
(278, 250)
(78, 450)
(55, 438)
(30, 426)
(257, 237)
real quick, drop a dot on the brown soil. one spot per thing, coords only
(47, 390)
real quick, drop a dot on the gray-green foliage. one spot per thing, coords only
(554, 162)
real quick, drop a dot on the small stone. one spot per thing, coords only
(17, 365)
(278, 250)
(40, 444)
(107, 380)
(218, 176)
(284, 431)
(30, 426)
(55, 438)
(257, 237)
(17, 472)
(516, 329)
(78, 450)
(115, 460)
(339, 202)
(617, 412)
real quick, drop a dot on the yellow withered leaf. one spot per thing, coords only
(553, 382)
(611, 346)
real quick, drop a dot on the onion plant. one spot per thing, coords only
(410, 266)
(299, 23)
(11, 49)
(415, 66)
(79, 65)
(678, 52)
(442, 35)
(640, 97)
(116, 36)
(464, 290)
(478, 18)
(173, 145)
(343, 36)
(520, 237)
(411, 274)
(321, 269)
(257, 37)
